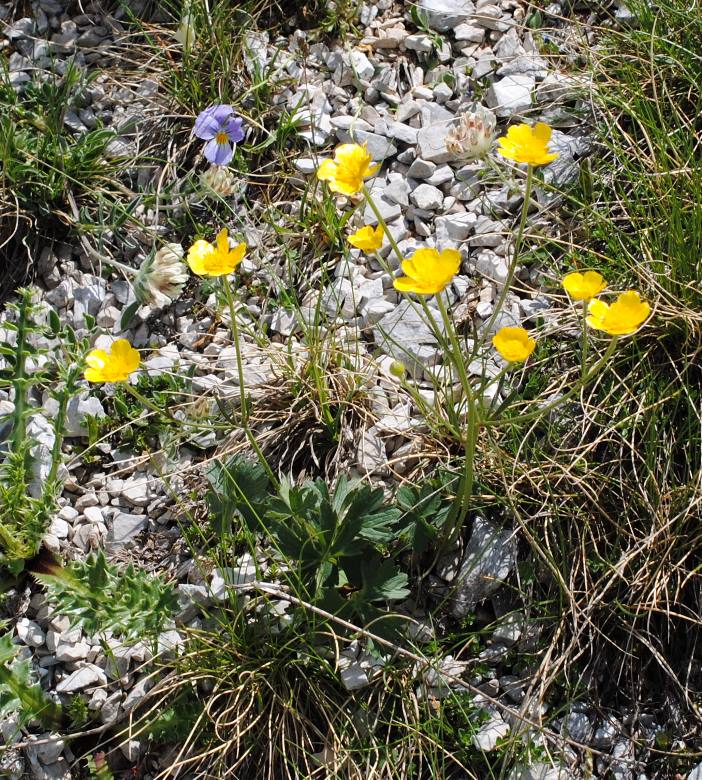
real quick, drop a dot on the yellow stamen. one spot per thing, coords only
(222, 138)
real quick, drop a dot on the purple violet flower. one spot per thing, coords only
(221, 129)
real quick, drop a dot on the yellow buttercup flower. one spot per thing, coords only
(428, 272)
(514, 344)
(582, 287)
(526, 144)
(624, 316)
(207, 259)
(113, 366)
(346, 172)
(367, 239)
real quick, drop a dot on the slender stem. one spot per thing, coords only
(242, 387)
(457, 354)
(59, 427)
(148, 404)
(583, 348)
(465, 488)
(383, 263)
(517, 248)
(382, 223)
(128, 270)
(555, 404)
(235, 338)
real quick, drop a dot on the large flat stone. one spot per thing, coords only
(432, 142)
(444, 15)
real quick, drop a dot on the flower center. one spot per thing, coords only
(222, 138)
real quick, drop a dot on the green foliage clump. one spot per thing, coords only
(19, 693)
(99, 596)
(25, 516)
(339, 540)
(42, 161)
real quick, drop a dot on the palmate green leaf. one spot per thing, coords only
(424, 511)
(365, 505)
(239, 485)
(383, 582)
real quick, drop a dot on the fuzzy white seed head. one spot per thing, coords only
(219, 180)
(472, 137)
(161, 277)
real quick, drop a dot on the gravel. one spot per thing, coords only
(399, 90)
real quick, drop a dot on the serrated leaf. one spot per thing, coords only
(383, 582)
(239, 485)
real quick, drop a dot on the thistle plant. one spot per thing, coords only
(27, 498)
(99, 596)
(20, 693)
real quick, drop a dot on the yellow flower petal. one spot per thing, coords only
(428, 272)
(367, 238)
(206, 259)
(97, 358)
(197, 255)
(623, 317)
(113, 366)
(93, 375)
(346, 172)
(326, 170)
(542, 132)
(584, 286)
(405, 284)
(222, 241)
(237, 255)
(514, 344)
(526, 144)
(626, 314)
(597, 311)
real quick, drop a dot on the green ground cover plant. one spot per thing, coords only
(594, 450)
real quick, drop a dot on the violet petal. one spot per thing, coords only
(218, 154)
(210, 121)
(234, 128)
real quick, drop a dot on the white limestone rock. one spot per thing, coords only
(490, 556)
(444, 15)
(511, 95)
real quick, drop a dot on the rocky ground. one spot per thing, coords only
(399, 89)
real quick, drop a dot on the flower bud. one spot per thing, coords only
(185, 34)
(472, 137)
(398, 369)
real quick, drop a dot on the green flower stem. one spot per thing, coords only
(593, 371)
(127, 270)
(149, 404)
(517, 248)
(383, 263)
(457, 354)
(242, 386)
(70, 388)
(382, 223)
(583, 349)
(465, 488)
(235, 338)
